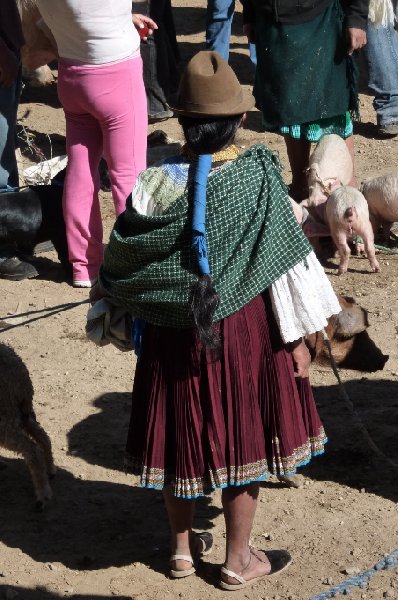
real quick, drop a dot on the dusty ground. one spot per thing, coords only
(101, 538)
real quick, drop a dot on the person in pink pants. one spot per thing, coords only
(101, 88)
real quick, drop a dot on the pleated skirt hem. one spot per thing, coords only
(158, 478)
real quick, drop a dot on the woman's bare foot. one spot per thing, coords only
(199, 544)
(257, 565)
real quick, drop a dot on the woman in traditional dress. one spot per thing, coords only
(210, 260)
(305, 82)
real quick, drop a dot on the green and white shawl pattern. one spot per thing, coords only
(253, 238)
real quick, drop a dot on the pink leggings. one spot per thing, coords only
(106, 114)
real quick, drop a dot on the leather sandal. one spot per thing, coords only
(278, 559)
(206, 539)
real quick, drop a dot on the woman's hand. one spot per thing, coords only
(249, 31)
(301, 358)
(355, 38)
(144, 22)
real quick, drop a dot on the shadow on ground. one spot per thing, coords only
(89, 525)
(348, 459)
(44, 95)
(40, 593)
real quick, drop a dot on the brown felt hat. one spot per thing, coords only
(210, 88)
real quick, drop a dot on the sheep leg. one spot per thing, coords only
(19, 442)
(36, 431)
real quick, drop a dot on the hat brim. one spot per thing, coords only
(246, 102)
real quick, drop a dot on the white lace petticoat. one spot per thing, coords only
(303, 299)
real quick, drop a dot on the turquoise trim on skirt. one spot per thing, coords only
(313, 132)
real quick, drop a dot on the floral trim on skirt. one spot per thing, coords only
(200, 422)
(313, 132)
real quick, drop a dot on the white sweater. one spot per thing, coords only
(91, 32)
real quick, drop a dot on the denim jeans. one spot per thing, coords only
(218, 25)
(382, 58)
(9, 100)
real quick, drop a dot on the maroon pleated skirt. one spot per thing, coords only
(200, 422)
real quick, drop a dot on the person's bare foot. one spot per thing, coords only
(200, 544)
(257, 565)
(261, 563)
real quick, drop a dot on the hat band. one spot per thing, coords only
(211, 107)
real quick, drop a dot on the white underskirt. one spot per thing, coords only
(303, 299)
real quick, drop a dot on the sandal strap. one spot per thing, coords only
(226, 571)
(186, 557)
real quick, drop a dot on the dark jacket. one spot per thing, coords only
(300, 11)
(10, 25)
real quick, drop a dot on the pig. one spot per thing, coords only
(330, 165)
(347, 215)
(381, 194)
(352, 348)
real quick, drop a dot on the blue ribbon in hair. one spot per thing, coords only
(202, 171)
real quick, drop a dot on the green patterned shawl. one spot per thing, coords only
(253, 238)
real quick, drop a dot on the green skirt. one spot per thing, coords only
(304, 74)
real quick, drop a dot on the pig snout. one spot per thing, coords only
(362, 354)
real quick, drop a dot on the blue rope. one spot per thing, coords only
(361, 580)
(202, 171)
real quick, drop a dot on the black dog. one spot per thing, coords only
(33, 215)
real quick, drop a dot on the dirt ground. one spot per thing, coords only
(100, 538)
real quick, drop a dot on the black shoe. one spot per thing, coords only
(16, 270)
(389, 130)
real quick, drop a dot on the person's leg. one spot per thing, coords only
(80, 200)
(180, 513)
(239, 504)
(123, 117)
(350, 145)
(382, 57)
(218, 25)
(9, 100)
(160, 56)
(298, 152)
(11, 267)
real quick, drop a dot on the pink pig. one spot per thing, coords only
(330, 166)
(381, 194)
(347, 215)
